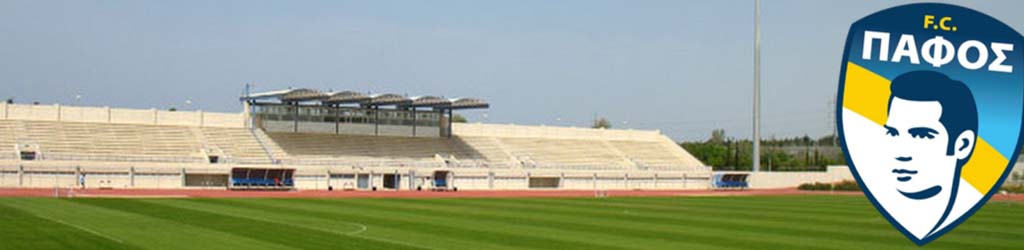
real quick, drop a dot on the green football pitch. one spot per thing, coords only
(782, 222)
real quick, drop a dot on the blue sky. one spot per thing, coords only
(683, 67)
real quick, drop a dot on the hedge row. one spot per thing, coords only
(847, 185)
(1013, 189)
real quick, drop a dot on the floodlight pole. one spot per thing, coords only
(757, 87)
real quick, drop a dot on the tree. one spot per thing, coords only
(798, 153)
(459, 118)
(10, 100)
(711, 154)
(601, 123)
(717, 136)
(172, 109)
(827, 140)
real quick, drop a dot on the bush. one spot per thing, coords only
(846, 185)
(1013, 189)
(811, 186)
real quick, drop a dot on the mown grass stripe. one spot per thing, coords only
(781, 231)
(997, 221)
(288, 235)
(799, 222)
(616, 231)
(614, 208)
(378, 231)
(641, 214)
(94, 232)
(24, 230)
(139, 230)
(346, 209)
(993, 233)
(330, 225)
(635, 226)
(607, 235)
(865, 221)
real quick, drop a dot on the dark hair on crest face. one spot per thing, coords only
(959, 111)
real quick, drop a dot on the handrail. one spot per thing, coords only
(119, 158)
(263, 144)
(362, 163)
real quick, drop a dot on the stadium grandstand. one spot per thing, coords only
(313, 140)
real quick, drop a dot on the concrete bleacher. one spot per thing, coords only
(564, 153)
(652, 153)
(238, 145)
(111, 142)
(7, 142)
(275, 151)
(488, 148)
(478, 151)
(166, 143)
(309, 147)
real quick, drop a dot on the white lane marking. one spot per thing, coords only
(119, 241)
(362, 228)
(87, 230)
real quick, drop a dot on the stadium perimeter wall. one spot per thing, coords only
(793, 179)
(518, 131)
(125, 175)
(120, 175)
(57, 112)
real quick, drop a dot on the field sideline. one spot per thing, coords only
(738, 222)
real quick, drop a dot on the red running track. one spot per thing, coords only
(207, 193)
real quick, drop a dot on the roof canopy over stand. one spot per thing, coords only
(369, 100)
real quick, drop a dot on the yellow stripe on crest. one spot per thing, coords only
(866, 93)
(985, 167)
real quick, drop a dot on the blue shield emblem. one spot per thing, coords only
(929, 112)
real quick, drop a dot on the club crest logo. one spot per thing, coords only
(929, 112)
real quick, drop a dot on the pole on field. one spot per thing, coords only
(757, 87)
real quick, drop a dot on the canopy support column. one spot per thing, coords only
(450, 118)
(295, 117)
(376, 120)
